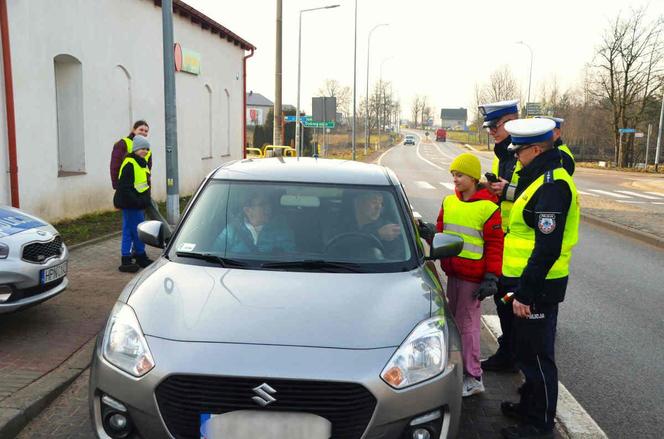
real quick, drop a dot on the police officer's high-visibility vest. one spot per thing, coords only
(565, 150)
(466, 220)
(129, 142)
(140, 174)
(520, 238)
(505, 206)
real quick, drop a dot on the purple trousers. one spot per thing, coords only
(467, 313)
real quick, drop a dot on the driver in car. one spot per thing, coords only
(256, 230)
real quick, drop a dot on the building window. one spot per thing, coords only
(69, 110)
(227, 147)
(208, 131)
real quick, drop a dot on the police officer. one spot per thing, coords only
(543, 229)
(565, 153)
(496, 115)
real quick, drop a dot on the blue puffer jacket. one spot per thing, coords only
(276, 237)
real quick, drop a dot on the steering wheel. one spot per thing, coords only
(367, 237)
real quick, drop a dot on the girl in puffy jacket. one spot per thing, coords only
(471, 213)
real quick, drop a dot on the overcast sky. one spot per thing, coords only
(431, 47)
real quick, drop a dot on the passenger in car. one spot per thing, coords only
(256, 229)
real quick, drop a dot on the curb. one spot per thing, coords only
(19, 409)
(571, 415)
(646, 237)
(93, 241)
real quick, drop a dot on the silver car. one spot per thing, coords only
(294, 300)
(33, 260)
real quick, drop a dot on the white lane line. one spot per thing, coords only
(449, 186)
(424, 185)
(631, 202)
(638, 195)
(575, 419)
(417, 150)
(611, 194)
(659, 203)
(657, 194)
(587, 193)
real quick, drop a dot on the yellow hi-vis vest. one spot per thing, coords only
(565, 150)
(520, 238)
(129, 142)
(506, 206)
(466, 220)
(140, 174)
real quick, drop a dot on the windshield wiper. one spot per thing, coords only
(210, 257)
(313, 264)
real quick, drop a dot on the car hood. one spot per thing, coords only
(13, 221)
(333, 310)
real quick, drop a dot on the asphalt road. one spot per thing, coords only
(610, 329)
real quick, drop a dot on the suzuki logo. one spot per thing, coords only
(264, 392)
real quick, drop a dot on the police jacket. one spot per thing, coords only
(506, 160)
(548, 206)
(567, 161)
(126, 196)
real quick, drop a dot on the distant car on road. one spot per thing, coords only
(33, 260)
(294, 289)
(441, 135)
(409, 140)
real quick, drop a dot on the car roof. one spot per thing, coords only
(306, 170)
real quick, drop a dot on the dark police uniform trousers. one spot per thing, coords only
(534, 337)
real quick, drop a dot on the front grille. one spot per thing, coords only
(182, 398)
(40, 252)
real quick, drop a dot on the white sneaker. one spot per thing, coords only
(472, 386)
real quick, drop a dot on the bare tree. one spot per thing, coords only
(628, 71)
(501, 86)
(416, 108)
(343, 93)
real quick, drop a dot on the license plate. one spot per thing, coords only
(243, 424)
(54, 273)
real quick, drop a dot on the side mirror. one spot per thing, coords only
(444, 246)
(152, 233)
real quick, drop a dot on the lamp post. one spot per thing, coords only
(354, 81)
(530, 76)
(366, 121)
(380, 82)
(298, 141)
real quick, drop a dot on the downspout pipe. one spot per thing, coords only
(244, 103)
(9, 103)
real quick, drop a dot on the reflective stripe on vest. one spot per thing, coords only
(140, 174)
(506, 206)
(520, 238)
(565, 150)
(129, 142)
(466, 220)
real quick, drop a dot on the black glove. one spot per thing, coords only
(427, 231)
(488, 287)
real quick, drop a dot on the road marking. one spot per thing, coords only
(632, 202)
(611, 194)
(657, 194)
(575, 419)
(417, 151)
(657, 202)
(634, 194)
(449, 186)
(425, 185)
(587, 193)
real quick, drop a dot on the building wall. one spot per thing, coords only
(459, 124)
(119, 46)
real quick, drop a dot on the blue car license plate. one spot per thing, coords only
(48, 275)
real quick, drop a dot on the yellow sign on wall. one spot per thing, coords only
(187, 60)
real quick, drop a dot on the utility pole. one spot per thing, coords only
(354, 80)
(277, 134)
(648, 144)
(172, 183)
(659, 134)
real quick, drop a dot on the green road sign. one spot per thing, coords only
(310, 124)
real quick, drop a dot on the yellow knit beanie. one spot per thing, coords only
(468, 164)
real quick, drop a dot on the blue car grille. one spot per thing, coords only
(183, 398)
(39, 252)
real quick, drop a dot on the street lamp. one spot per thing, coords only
(366, 122)
(530, 76)
(298, 141)
(354, 81)
(380, 93)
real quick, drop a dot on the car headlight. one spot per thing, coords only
(4, 251)
(124, 344)
(422, 356)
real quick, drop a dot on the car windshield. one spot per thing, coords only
(296, 227)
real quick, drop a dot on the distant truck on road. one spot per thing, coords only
(441, 135)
